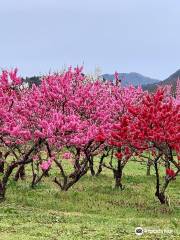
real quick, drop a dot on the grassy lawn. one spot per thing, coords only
(92, 209)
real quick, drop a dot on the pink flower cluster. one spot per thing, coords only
(67, 155)
(45, 165)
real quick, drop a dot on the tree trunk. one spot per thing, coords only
(20, 174)
(69, 184)
(5, 179)
(118, 183)
(162, 198)
(148, 169)
(167, 162)
(77, 159)
(111, 159)
(1, 166)
(160, 194)
(100, 165)
(118, 176)
(104, 155)
(69, 180)
(91, 165)
(46, 173)
(2, 192)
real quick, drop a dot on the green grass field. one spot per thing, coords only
(92, 209)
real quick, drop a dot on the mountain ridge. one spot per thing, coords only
(171, 80)
(131, 78)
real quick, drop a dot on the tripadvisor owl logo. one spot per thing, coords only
(139, 231)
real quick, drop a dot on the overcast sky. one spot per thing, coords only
(124, 35)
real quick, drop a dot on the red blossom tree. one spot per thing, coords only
(154, 125)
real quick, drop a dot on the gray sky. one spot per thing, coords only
(122, 35)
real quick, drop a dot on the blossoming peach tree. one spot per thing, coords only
(153, 125)
(16, 135)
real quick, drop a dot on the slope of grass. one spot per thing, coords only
(92, 209)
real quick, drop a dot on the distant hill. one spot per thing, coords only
(132, 78)
(171, 80)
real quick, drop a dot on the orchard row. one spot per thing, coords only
(71, 117)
